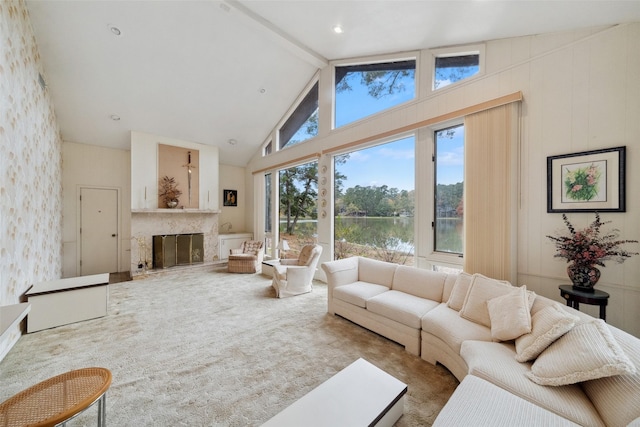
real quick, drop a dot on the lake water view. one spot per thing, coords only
(388, 233)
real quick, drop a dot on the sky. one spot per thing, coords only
(392, 164)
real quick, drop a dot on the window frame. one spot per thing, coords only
(478, 49)
(315, 81)
(432, 257)
(372, 60)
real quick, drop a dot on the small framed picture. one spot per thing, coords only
(230, 197)
(589, 181)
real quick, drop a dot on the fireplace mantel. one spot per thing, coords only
(174, 211)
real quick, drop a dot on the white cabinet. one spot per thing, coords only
(226, 242)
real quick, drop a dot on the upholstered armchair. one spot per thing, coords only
(247, 258)
(295, 276)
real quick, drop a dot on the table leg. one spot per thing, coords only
(102, 410)
(603, 312)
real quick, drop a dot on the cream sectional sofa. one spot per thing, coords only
(500, 336)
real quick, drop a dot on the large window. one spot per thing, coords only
(451, 69)
(303, 122)
(374, 202)
(449, 189)
(298, 206)
(363, 90)
(267, 203)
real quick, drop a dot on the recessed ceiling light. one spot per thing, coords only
(115, 30)
(338, 29)
(114, 117)
(262, 90)
(232, 142)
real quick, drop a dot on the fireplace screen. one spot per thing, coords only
(178, 249)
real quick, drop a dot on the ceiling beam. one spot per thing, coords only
(285, 40)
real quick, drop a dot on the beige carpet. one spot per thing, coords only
(200, 347)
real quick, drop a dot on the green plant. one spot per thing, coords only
(169, 189)
(589, 246)
(582, 183)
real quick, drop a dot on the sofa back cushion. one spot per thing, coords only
(449, 283)
(374, 271)
(419, 282)
(617, 398)
(459, 291)
(482, 289)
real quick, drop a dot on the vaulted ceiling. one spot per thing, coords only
(212, 71)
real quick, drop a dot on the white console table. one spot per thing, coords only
(231, 241)
(359, 395)
(11, 315)
(64, 301)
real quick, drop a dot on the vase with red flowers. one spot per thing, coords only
(588, 248)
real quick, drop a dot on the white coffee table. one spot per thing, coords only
(359, 395)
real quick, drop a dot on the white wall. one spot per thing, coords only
(233, 178)
(581, 92)
(96, 167)
(30, 167)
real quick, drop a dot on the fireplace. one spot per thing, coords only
(177, 249)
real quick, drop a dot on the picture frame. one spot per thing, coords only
(588, 181)
(229, 197)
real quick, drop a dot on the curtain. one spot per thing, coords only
(491, 191)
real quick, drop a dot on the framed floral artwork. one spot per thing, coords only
(588, 181)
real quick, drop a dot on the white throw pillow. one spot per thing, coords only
(510, 315)
(459, 291)
(587, 352)
(482, 289)
(547, 325)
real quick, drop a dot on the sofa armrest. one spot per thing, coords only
(341, 272)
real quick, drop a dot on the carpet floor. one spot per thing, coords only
(203, 347)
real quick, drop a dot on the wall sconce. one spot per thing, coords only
(283, 247)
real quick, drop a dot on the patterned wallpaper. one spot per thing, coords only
(30, 166)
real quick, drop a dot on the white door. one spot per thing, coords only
(98, 231)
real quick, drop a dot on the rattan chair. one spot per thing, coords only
(246, 259)
(54, 401)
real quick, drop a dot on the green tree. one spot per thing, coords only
(298, 193)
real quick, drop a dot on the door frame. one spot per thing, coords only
(79, 189)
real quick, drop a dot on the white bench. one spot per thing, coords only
(63, 301)
(359, 395)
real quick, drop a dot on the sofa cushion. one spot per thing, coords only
(477, 402)
(509, 314)
(481, 290)
(586, 352)
(358, 293)
(617, 398)
(374, 271)
(547, 325)
(419, 282)
(449, 282)
(446, 324)
(459, 291)
(495, 363)
(402, 307)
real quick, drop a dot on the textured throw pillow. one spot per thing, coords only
(482, 289)
(547, 325)
(459, 291)
(587, 352)
(510, 315)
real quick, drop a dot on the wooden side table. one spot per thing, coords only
(58, 399)
(574, 297)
